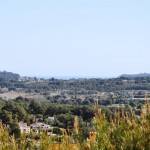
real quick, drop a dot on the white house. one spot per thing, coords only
(24, 128)
(40, 125)
(51, 119)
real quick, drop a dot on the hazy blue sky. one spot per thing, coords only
(75, 37)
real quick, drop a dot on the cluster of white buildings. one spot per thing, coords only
(36, 127)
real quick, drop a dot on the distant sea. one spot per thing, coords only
(74, 77)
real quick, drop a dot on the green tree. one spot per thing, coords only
(6, 117)
(15, 130)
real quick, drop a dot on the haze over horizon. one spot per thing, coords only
(75, 38)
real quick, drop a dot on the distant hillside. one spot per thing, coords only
(7, 76)
(135, 75)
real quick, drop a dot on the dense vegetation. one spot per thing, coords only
(124, 131)
(11, 80)
(121, 100)
(9, 76)
(26, 110)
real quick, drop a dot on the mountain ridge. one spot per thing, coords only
(135, 75)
